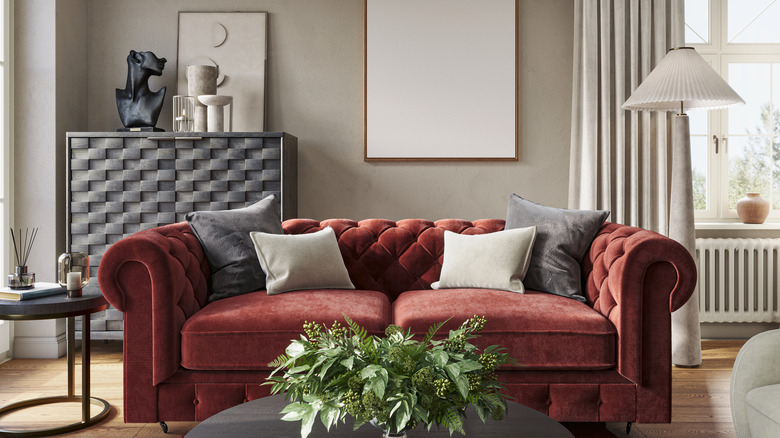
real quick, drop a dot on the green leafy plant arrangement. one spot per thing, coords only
(394, 382)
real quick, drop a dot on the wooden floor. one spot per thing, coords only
(700, 396)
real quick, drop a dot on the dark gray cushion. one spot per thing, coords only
(562, 237)
(224, 235)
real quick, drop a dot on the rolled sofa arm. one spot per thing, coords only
(158, 278)
(757, 365)
(636, 278)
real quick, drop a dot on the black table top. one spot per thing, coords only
(52, 306)
(261, 418)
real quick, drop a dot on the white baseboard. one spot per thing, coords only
(734, 330)
(39, 347)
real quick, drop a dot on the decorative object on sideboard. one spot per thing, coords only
(73, 272)
(753, 209)
(21, 279)
(237, 42)
(216, 111)
(139, 107)
(183, 113)
(201, 80)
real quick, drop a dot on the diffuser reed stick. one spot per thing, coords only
(24, 247)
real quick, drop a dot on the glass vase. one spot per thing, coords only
(386, 433)
(73, 262)
(21, 279)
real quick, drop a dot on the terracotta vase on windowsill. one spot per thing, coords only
(753, 209)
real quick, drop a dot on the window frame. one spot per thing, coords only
(719, 53)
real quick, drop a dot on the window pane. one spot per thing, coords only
(753, 21)
(697, 22)
(776, 88)
(700, 174)
(749, 167)
(698, 122)
(775, 200)
(752, 82)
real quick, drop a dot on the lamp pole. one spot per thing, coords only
(685, 320)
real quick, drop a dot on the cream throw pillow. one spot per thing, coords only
(301, 261)
(487, 261)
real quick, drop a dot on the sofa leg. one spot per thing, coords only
(164, 427)
(628, 427)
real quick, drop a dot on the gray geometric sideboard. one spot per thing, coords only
(120, 183)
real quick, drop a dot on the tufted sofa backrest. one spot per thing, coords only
(393, 257)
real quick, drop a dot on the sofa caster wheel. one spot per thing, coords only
(164, 427)
(628, 427)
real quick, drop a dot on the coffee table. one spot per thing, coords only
(261, 418)
(60, 306)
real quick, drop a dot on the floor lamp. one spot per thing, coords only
(683, 79)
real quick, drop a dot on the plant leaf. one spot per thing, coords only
(299, 369)
(294, 411)
(329, 415)
(440, 358)
(308, 421)
(453, 370)
(462, 383)
(377, 379)
(469, 365)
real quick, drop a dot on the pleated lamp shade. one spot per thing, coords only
(682, 78)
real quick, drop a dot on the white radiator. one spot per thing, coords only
(738, 280)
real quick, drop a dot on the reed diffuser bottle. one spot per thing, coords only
(21, 279)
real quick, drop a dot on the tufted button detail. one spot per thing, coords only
(195, 402)
(393, 257)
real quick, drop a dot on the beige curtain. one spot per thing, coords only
(620, 159)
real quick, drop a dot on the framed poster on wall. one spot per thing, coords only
(236, 43)
(440, 80)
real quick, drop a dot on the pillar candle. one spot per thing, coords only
(74, 281)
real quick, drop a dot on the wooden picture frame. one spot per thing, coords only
(441, 80)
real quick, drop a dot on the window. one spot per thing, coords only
(737, 150)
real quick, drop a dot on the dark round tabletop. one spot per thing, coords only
(261, 418)
(52, 306)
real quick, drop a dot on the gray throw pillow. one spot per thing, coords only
(301, 261)
(224, 235)
(486, 261)
(562, 238)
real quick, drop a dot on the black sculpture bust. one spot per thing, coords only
(138, 106)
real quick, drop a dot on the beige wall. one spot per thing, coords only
(50, 67)
(315, 92)
(70, 56)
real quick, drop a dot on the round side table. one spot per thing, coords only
(51, 307)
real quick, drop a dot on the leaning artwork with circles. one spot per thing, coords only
(235, 42)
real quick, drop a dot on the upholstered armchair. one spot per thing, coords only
(755, 387)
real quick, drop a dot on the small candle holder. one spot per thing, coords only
(73, 272)
(21, 279)
(73, 285)
(183, 113)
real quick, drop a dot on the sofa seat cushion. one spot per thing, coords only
(540, 330)
(246, 332)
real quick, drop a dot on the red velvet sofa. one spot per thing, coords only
(605, 360)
